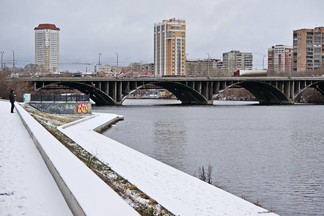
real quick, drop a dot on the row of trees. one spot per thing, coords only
(7, 84)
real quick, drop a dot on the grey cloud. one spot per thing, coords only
(126, 26)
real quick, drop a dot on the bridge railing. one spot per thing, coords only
(57, 98)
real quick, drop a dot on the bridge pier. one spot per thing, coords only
(210, 102)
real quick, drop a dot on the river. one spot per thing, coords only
(271, 155)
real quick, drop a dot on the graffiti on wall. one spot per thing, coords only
(82, 108)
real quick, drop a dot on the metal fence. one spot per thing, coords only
(59, 98)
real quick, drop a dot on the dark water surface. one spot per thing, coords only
(273, 155)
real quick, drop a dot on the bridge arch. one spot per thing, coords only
(98, 96)
(182, 92)
(190, 90)
(264, 92)
(319, 86)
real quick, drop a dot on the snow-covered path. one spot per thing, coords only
(179, 192)
(26, 185)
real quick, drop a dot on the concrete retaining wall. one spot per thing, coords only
(84, 192)
(63, 108)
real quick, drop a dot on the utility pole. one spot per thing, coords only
(13, 59)
(99, 61)
(2, 59)
(117, 58)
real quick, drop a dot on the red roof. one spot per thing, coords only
(46, 26)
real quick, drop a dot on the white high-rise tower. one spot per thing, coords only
(47, 47)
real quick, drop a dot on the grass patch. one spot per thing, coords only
(131, 187)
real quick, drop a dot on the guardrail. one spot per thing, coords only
(59, 97)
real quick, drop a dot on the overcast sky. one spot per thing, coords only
(90, 27)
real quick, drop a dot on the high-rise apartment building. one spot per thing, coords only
(280, 60)
(236, 60)
(308, 47)
(47, 47)
(170, 48)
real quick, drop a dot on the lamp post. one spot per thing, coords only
(2, 52)
(99, 62)
(117, 58)
(208, 65)
(13, 59)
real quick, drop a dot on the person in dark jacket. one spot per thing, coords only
(12, 99)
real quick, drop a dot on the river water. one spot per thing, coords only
(271, 155)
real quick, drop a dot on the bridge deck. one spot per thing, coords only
(189, 90)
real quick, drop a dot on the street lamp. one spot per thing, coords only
(13, 59)
(117, 58)
(99, 61)
(2, 52)
(208, 65)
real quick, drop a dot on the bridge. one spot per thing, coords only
(189, 90)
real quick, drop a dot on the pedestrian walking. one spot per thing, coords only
(12, 99)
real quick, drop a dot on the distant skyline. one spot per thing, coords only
(126, 27)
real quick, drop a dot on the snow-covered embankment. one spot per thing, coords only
(85, 192)
(177, 191)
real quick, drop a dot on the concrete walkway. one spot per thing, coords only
(28, 188)
(26, 185)
(177, 191)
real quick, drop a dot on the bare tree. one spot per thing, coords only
(205, 175)
(7, 83)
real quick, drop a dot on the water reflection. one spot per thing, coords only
(169, 141)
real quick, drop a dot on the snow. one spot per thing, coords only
(26, 185)
(178, 192)
(28, 188)
(85, 192)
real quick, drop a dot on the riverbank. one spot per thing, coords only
(177, 191)
(180, 193)
(141, 202)
(84, 192)
(271, 155)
